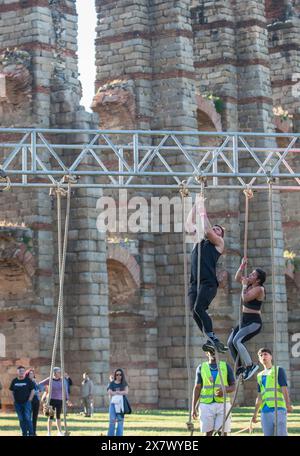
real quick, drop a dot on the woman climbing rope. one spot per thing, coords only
(209, 250)
(253, 295)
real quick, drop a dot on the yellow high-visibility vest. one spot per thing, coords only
(209, 387)
(267, 392)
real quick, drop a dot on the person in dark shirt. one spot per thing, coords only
(69, 382)
(210, 249)
(116, 388)
(23, 391)
(35, 404)
(253, 296)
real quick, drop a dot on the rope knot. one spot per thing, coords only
(248, 193)
(183, 190)
(68, 178)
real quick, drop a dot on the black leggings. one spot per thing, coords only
(35, 406)
(251, 326)
(57, 405)
(199, 303)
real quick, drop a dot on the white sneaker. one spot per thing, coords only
(60, 434)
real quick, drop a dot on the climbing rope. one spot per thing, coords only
(203, 182)
(248, 195)
(59, 327)
(190, 425)
(271, 212)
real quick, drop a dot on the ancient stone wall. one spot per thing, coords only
(184, 65)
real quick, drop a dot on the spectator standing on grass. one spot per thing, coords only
(69, 383)
(35, 404)
(87, 389)
(208, 396)
(117, 388)
(56, 400)
(265, 400)
(23, 391)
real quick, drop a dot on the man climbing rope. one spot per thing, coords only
(208, 392)
(206, 252)
(253, 295)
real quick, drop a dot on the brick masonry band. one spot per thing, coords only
(23, 5)
(126, 36)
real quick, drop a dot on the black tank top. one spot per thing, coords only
(209, 259)
(253, 305)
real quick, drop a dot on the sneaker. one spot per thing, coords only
(221, 348)
(209, 347)
(60, 434)
(239, 371)
(250, 371)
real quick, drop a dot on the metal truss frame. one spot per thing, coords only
(148, 159)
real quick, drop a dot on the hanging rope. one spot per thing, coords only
(59, 327)
(248, 195)
(203, 181)
(190, 425)
(271, 212)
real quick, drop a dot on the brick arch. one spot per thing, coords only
(14, 249)
(121, 255)
(17, 265)
(207, 115)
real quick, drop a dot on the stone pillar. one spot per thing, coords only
(215, 58)
(174, 108)
(284, 43)
(123, 52)
(124, 101)
(255, 114)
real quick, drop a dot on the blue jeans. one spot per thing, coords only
(24, 415)
(268, 423)
(115, 419)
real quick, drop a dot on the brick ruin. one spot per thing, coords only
(160, 65)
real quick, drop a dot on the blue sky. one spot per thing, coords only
(86, 54)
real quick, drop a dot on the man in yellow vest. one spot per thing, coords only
(265, 400)
(208, 392)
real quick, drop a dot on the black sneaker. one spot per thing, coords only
(250, 371)
(239, 371)
(209, 347)
(220, 347)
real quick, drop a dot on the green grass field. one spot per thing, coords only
(144, 423)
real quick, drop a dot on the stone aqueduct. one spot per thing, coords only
(158, 62)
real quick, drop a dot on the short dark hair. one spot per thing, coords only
(221, 228)
(264, 350)
(20, 367)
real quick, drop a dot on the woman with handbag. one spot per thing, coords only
(117, 390)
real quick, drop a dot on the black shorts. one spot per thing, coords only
(57, 405)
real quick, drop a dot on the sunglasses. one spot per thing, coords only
(118, 375)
